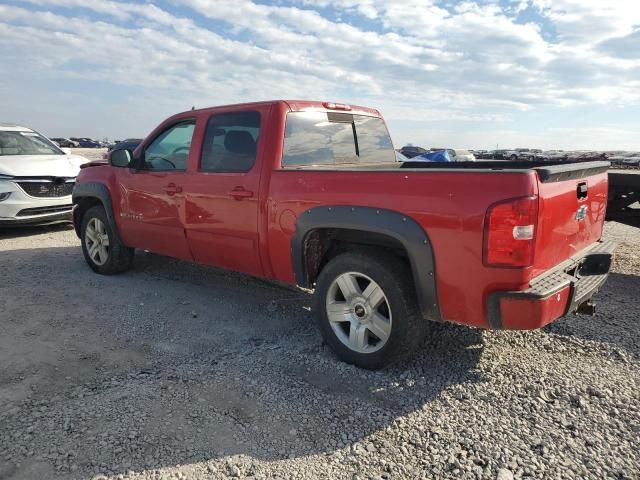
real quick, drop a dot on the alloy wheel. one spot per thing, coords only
(97, 241)
(359, 312)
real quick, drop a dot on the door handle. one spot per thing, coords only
(239, 193)
(172, 189)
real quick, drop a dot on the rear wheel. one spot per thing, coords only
(101, 248)
(366, 309)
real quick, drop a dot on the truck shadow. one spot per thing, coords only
(173, 363)
(616, 320)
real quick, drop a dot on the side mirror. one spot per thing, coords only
(120, 158)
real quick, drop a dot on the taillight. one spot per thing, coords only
(510, 233)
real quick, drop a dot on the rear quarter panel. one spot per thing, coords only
(450, 206)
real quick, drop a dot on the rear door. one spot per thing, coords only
(222, 198)
(153, 197)
(573, 203)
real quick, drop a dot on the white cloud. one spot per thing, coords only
(590, 21)
(625, 47)
(418, 60)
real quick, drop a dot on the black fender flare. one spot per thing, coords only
(97, 191)
(375, 220)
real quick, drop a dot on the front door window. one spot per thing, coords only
(170, 150)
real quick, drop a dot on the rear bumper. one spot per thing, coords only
(553, 294)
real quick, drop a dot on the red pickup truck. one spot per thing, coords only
(310, 194)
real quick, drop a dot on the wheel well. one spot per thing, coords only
(83, 204)
(323, 244)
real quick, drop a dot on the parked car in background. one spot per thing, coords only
(36, 178)
(128, 144)
(555, 155)
(516, 154)
(310, 194)
(64, 142)
(586, 155)
(452, 155)
(483, 154)
(462, 155)
(522, 154)
(411, 151)
(400, 157)
(624, 158)
(503, 154)
(84, 142)
(510, 154)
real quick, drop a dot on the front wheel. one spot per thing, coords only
(101, 248)
(366, 309)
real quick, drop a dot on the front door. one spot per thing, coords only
(222, 199)
(153, 199)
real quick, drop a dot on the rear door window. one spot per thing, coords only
(335, 139)
(230, 142)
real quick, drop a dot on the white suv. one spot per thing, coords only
(36, 178)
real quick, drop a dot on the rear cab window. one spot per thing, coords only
(328, 139)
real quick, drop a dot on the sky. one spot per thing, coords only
(552, 74)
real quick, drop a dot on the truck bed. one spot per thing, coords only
(547, 171)
(450, 202)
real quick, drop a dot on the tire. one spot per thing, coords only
(102, 250)
(342, 327)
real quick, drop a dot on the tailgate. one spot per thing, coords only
(573, 202)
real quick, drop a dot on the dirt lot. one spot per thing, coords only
(178, 371)
(90, 153)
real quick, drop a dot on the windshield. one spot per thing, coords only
(26, 143)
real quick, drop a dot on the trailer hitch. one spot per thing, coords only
(587, 308)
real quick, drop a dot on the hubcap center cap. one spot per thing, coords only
(360, 311)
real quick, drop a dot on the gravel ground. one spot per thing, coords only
(177, 371)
